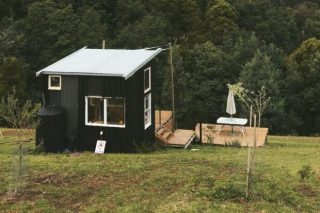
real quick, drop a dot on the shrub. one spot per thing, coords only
(305, 172)
(229, 191)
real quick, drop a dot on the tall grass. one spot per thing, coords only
(172, 180)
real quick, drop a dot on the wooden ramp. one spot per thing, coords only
(164, 134)
(211, 135)
(161, 117)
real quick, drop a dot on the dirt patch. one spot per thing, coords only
(24, 195)
(306, 190)
(50, 178)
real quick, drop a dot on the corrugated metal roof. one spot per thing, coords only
(102, 62)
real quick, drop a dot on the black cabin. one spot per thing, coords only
(103, 90)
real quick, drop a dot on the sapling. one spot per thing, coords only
(251, 160)
(19, 116)
(257, 100)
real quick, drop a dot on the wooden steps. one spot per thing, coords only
(164, 134)
(180, 138)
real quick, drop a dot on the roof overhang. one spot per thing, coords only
(127, 75)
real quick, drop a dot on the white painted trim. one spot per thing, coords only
(146, 125)
(149, 70)
(49, 82)
(95, 124)
(105, 113)
(115, 125)
(86, 111)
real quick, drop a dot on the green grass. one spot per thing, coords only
(171, 180)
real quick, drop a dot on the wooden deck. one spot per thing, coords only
(211, 135)
(165, 116)
(164, 133)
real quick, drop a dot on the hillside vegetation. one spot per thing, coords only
(269, 43)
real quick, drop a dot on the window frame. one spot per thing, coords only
(124, 113)
(49, 82)
(144, 79)
(86, 111)
(105, 113)
(146, 125)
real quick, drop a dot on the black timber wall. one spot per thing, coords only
(72, 98)
(67, 98)
(118, 139)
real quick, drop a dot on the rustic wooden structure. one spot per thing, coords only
(164, 131)
(211, 134)
(107, 94)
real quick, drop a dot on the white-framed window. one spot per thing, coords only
(54, 82)
(95, 111)
(147, 79)
(116, 112)
(147, 111)
(102, 111)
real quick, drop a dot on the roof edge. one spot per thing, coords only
(40, 71)
(80, 74)
(157, 51)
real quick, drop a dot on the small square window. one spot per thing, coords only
(147, 79)
(54, 82)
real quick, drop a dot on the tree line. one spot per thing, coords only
(269, 43)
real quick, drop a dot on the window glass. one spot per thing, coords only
(54, 82)
(147, 110)
(147, 77)
(115, 111)
(95, 110)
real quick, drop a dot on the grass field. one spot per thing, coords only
(169, 180)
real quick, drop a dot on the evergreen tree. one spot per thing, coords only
(12, 75)
(148, 32)
(303, 87)
(91, 31)
(221, 20)
(200, 82)
(259, 73)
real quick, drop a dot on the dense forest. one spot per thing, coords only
(270, 43)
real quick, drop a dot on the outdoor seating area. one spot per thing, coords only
(231, 135)
(228, 131)
(226, 121)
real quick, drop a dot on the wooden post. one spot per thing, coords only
(103, 44)
(255, 129)
(248, 173)
(251, 157)
(172, 88)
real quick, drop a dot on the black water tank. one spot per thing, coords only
(51, 128)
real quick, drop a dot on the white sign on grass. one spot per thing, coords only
(100, 146)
